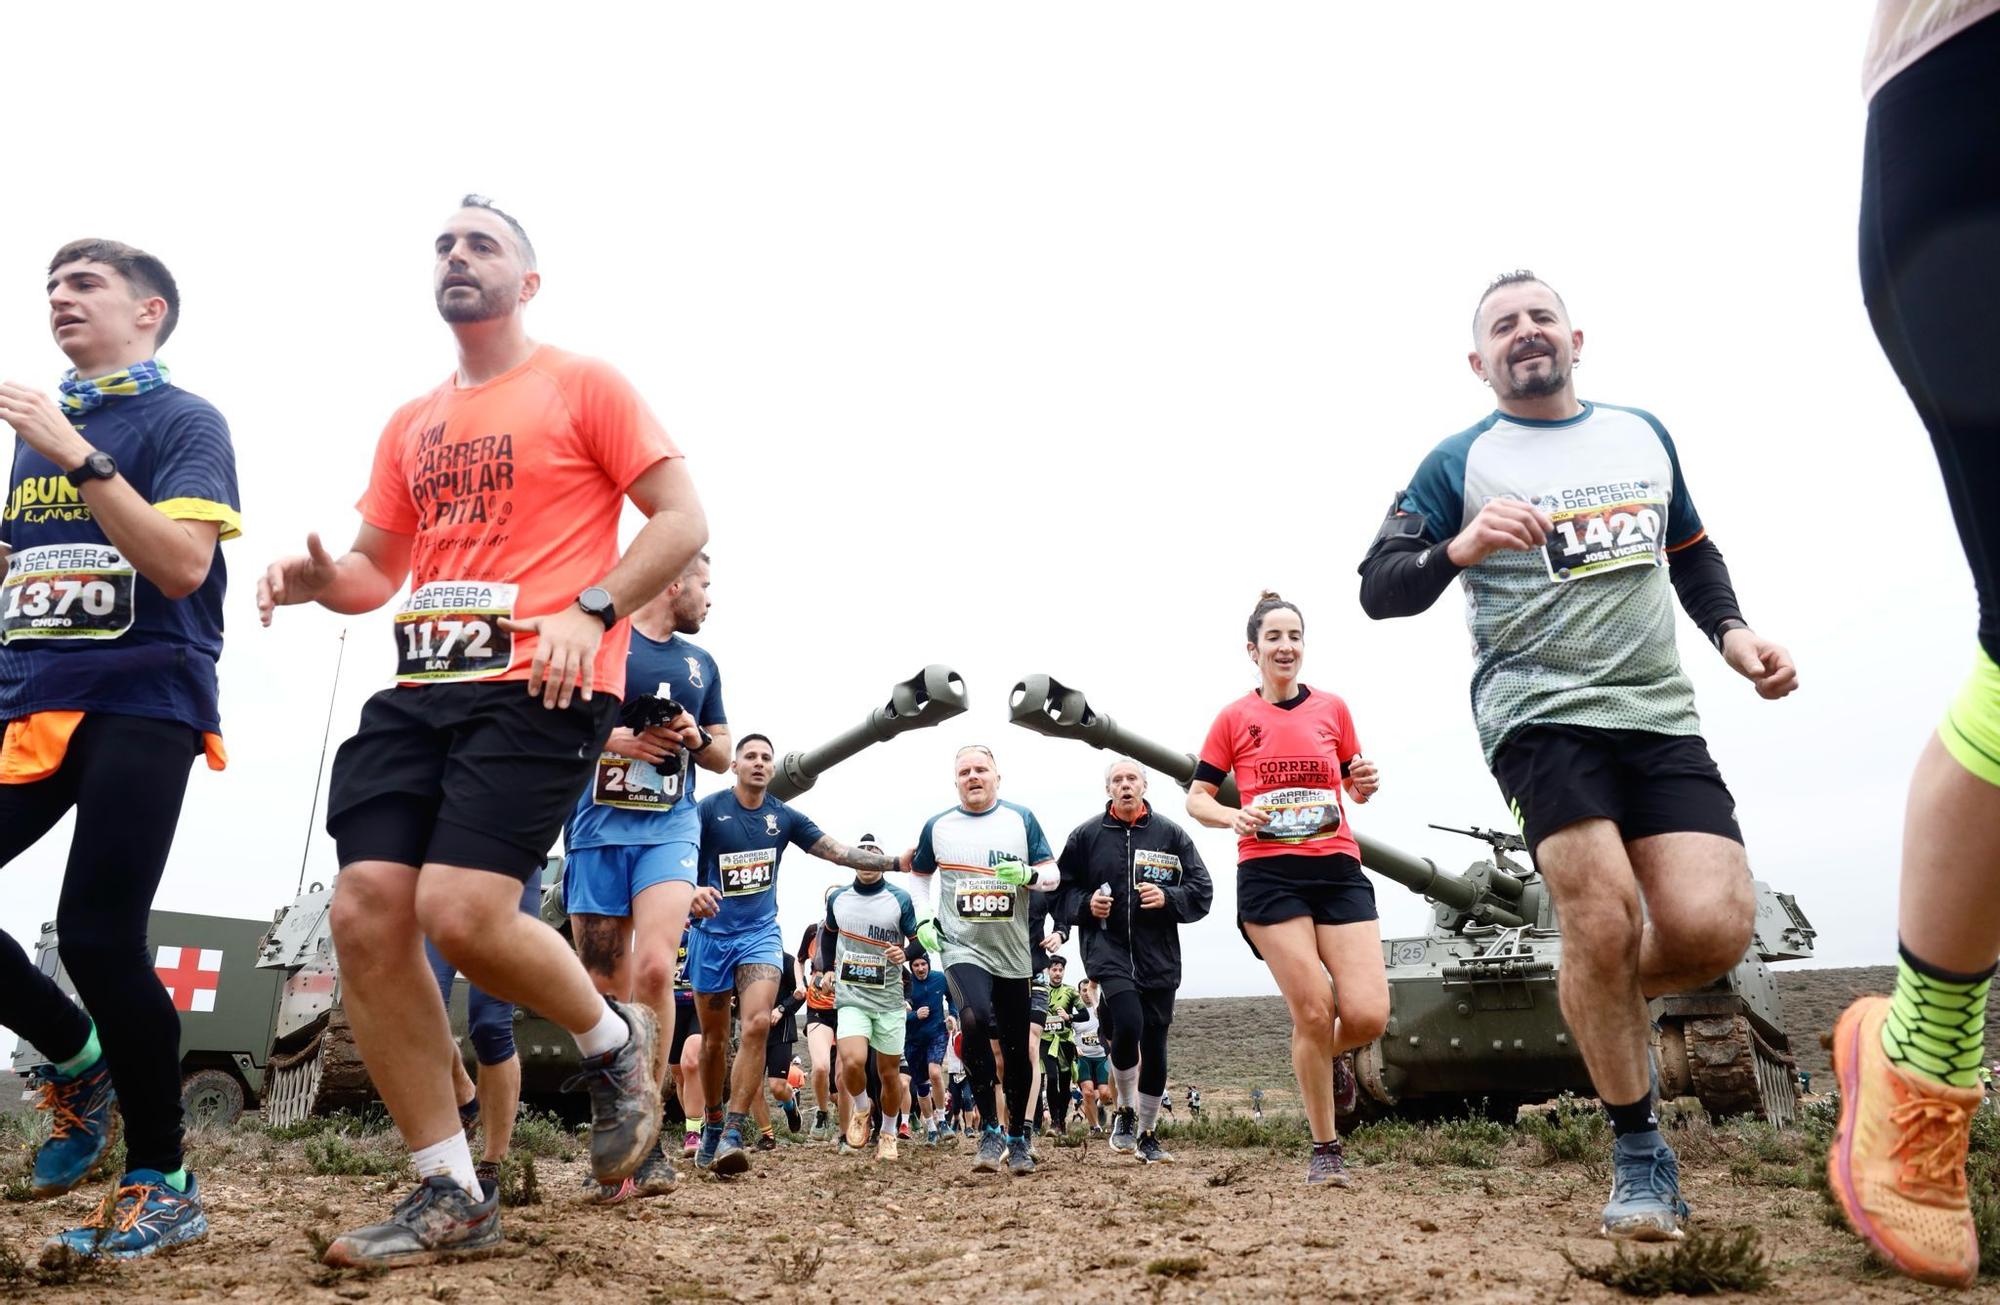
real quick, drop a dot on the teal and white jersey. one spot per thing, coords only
(981, 920)
(1580, 632)
(861, 924)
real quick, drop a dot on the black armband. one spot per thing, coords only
(1404, 572)
(1207, 774)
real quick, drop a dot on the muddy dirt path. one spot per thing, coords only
(1221, 1224)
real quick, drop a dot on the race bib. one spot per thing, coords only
(1089, 1044)
(1298, 814)
(636, 785)
(67, 591)
(984, 901)
(449, 630)
(1162, 868)
(744, 873)
(864, 969)
(1594, 531)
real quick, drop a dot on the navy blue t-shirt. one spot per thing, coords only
(673, 668)
(740, 848)
(80, 629)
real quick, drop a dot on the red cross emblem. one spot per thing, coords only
(191, 975)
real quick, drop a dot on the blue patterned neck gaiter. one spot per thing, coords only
(79, 396)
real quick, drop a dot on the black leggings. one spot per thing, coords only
(1138, 1037)
(1055, 1087)
(991, 1008)
(1930, 272)
(125, 775)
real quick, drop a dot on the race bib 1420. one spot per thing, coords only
(1604, 528)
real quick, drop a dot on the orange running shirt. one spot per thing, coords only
(1288, 760)
(516, 482)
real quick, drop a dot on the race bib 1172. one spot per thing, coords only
(449, 630)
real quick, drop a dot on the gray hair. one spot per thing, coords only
(1116, 762)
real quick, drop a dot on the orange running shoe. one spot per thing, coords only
(1897, 1165)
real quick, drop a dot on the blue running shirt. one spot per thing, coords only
(740, 848)
(675, 669)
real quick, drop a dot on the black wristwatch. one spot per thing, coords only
(598, 603)
(98, 466)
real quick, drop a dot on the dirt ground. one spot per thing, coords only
(1222, 1223)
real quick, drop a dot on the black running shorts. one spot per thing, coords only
(1328, 889)
(1156, 1003)
(778, 1055)
(475, 775)
(814, 1015)
(687, 1023)
(1555, 775)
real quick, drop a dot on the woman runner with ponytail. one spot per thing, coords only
(1302, 902)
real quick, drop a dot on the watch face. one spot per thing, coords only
(101, 465)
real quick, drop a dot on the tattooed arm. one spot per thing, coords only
(829, 848)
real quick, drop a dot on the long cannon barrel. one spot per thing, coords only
(932, 695)
(1047, 706)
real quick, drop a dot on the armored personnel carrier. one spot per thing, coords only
(1474, 1023)
(314, 1067)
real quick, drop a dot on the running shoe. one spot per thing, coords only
(711, 1141)
(992, 1152)
(1346, 1090)
(792, 1118)
(144, 1216)
(1020, 1160)
(766, 1140)
(1645, 1204)
(903, 1133)
(624, 1099)
(468, 1117)
(439, 1218)
(596, 1193)
(1125, 1131)
(885, 1149)
(845, 1149)
(488, 1173)
(931, 1135)
(823, 1127)
(690, 1144)
(857, 1129)
(731, 1156)
(82, 1123)
(1897, 1165)
(656, 1177)
(1151, 1152)
(1327, 1168)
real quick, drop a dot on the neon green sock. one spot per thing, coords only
(1937, 1022)
(178, 1179)
(83, 1059)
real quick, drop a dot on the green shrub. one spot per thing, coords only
(544, 1134)
(1704, 1264)
(333, 1154)
(1570, 1129)
(1281, 1134)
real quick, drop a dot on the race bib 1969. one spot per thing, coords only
(67, 591)
(983, 901)
(633, 785)
(1603, 528)
(450, 630)
(749, 872)
(1162, 868)
(1298, 814)
(864, 969)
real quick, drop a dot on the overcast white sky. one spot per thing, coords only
(1035, 338)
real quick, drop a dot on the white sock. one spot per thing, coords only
(902, 1118)
(1127, 1083)
(451, 1158)
(1149, 1111)
(608, 1034)
(859, 1106)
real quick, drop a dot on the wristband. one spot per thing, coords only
(1724, 626)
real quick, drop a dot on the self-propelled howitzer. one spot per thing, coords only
(1474, 1020)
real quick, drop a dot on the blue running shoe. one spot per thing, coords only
(82, 1125)
(711, 1139)
(992, 1151)
(1645, 1204)
(145, 1216)
(731, 1156)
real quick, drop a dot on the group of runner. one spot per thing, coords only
(536, 662)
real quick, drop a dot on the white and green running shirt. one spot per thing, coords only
(980, 919)
(1580, 632)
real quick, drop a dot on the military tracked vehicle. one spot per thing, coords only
(315, 1067)
(226, 1004)
(1474, 1023)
